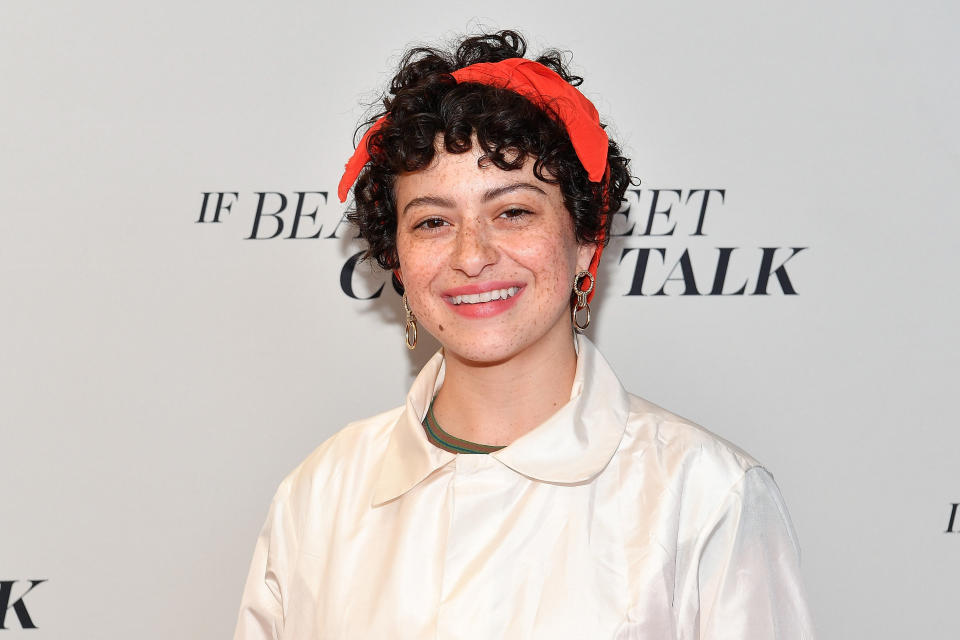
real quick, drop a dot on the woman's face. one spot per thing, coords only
(487, 256)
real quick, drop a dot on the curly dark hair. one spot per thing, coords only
(425, 101)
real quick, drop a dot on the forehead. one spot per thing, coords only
(465, 175)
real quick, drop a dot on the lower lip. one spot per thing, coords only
(485, 309)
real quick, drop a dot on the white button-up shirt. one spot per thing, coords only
(613, 519)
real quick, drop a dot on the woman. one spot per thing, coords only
(520, 492)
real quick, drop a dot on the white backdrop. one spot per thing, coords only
(159, 376)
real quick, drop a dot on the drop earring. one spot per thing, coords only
(410, 331)
(581, 302)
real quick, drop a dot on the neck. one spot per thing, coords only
(496, 403)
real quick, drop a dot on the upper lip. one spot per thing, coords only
(481, 288)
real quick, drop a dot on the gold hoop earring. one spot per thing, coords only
(410, 331)
(581, 302)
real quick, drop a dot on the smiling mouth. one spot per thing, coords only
(486, 296)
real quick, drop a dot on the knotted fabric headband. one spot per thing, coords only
(545, 88)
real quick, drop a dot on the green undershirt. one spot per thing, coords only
(444, 440)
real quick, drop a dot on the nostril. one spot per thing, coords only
(473, 252)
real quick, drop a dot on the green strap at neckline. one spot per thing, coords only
(444, 440)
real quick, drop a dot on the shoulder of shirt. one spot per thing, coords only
(701, 469)
(359, 444)
(651, 427)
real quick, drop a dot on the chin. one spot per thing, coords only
(486, 347)
(473, 350)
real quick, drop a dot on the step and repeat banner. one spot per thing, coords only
(184, 315)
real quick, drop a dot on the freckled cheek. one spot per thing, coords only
(418, 268)
(551, 263)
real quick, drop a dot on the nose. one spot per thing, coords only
(473, 251)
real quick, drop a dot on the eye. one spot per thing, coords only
(431, 224)
(514, 213)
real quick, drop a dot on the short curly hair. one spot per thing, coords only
(425, 101)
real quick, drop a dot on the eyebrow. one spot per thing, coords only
(490, 194)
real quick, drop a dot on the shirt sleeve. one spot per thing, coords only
(748, 572)
(261, 607)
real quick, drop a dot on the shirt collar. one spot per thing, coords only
(570, 447)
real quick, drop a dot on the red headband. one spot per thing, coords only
(545, 88)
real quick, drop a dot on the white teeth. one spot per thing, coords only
(486, 296)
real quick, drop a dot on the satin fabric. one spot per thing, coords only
(613, 519)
